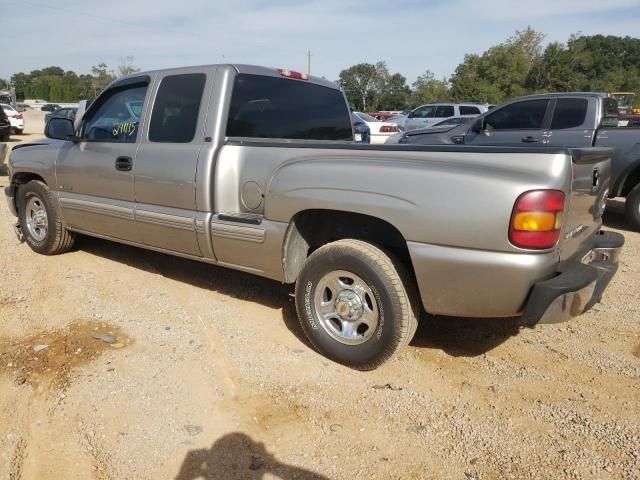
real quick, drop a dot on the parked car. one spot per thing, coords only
(380, 131)
(67, 112)
(5, 126)
(557, 120)
(15, 117)
(50, 107)
(361, 131)
(261, 174)
(384, 116)
(455, 121)
(22, 107)
(427, 115)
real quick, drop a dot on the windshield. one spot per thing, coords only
(367, 118)
(8, 107)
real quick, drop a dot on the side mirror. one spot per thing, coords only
(410, 115)
(59, 128)
(478, 126)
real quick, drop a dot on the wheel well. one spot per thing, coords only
(311, 229)
(24, 177)
(631, 181)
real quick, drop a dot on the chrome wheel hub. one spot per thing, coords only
(37, 220)
(346, 307)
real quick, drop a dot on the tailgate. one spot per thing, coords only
(591, 173)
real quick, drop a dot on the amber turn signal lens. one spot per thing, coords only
(534, 221)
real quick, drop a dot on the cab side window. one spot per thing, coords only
(118, 117)
(175, 111)
(519, 116)
(425, 112)
(445, 111)
(569, 113)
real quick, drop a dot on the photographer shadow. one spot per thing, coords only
(238, 456)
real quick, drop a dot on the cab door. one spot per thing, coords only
(167, 160)
(95, 175)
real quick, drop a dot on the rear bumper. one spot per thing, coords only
(579, 283)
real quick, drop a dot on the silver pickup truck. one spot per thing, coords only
(255, 169)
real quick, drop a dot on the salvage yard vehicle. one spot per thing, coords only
(380, 131)
(255, 169)
(427, 115)
(557, 120)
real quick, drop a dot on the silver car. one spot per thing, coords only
(427, 115)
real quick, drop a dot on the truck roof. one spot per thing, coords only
(240, 68)
(565, 94)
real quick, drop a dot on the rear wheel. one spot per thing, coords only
(42, 228)
(632, 206)
(356, 303)
(18, 131)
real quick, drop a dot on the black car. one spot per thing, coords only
(50, 107)
(5, 126)
(361, 131)
(69, 113)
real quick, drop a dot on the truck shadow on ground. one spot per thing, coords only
(238, 456)
(463, 337)
(614, 216)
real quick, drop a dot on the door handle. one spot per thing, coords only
(529, 140)
(124, 164)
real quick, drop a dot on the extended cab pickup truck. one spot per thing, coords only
(255, 169)
(557, 120)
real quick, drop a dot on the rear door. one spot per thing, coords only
(167, 161)
(573, 122)
(520, 123)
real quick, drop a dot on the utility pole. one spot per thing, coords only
(309, 62)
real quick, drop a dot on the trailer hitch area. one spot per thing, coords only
(18, 231)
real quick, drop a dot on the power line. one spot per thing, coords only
(75, 12)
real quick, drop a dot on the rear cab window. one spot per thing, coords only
(282, 108)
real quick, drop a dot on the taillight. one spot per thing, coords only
(536, 219)
(19, 116)
(389, 129)
(290, 74)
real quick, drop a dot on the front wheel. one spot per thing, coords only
(356, 304)
(41, 226)
(632, 207)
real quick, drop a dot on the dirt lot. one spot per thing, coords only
(203, 372)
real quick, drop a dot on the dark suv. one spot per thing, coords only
(5, 126)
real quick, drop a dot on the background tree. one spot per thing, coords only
(357, 82)
(427, 89)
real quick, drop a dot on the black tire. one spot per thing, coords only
(56, 238)
(394, 292)
(18, 131)
(632, 207)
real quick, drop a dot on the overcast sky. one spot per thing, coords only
(410, 35)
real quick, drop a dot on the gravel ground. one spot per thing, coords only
(203, 372)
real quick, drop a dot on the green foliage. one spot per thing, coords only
(428, 89)
(371, 87)
(518, 66)
(55, 85)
